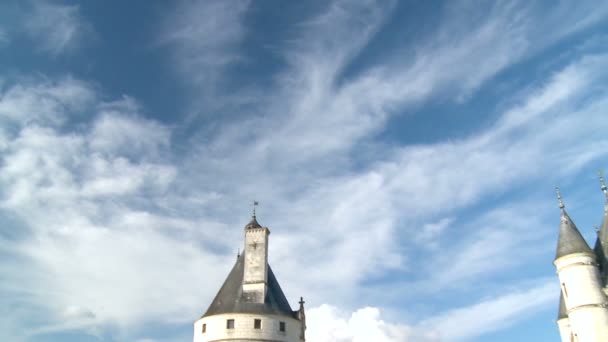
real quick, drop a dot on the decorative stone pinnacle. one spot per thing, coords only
(559, 198)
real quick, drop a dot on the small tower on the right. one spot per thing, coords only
(583, 309)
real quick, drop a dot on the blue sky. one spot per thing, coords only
(404, 155)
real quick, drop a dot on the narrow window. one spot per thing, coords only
(230, 324)
(257, 323)
(204, 328)
(565, 290)
(282, 326)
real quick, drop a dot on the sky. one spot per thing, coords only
(404, 155)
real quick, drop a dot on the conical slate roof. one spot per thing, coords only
(230, 298)
(562, 312)
(570, 239)
(601, 244)
(253, 223)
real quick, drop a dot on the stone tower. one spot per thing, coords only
(583, 308)
(251, 306)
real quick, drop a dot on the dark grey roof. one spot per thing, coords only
(253, 223)
(230, 298)
(562, 312)
(601, 244)
(570, 239)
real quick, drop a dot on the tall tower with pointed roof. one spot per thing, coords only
(583, 308)
(250, 305)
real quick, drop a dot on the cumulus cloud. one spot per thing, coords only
(69, 185)
(331, 324)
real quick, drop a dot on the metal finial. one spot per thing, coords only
(559, 198)
(604, 188)
(238, 253)
(255, 204)
(597, 229)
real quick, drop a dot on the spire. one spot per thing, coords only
(254, 222)
(302, 318)
(559, 199)
(570, 239)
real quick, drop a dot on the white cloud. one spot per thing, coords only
(56, 28)
(109, 201)
(493, 313)
(329, 324)
(56, 177)
(4, 37)
(205, 35)
(44, 101)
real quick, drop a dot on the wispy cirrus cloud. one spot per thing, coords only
(102, 191)
(4, 37)
(205, 37)
(56, 28)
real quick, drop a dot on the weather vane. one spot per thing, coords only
(254, 204)
(604, 189)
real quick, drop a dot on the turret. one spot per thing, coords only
(584, 301)
(250, 305)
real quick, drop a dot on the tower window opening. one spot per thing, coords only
(204, 330)
(230, 324)
(282, 326)
(257, 323)
(565, 290)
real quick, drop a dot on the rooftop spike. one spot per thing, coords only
(255, 204)
(570, 240)
(603, 183)
(559, 198)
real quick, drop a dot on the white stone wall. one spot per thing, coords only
(256, 255)
(580, 281)
(564, 329)
(216, 330)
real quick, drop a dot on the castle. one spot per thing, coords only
(583, 275)
(251, 306)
